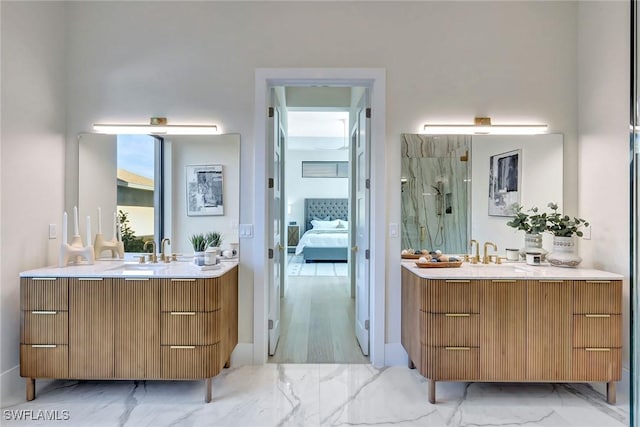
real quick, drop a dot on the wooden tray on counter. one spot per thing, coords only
(451, 264)
(413, 256)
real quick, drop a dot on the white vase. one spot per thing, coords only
(533, 243)
(564, 252)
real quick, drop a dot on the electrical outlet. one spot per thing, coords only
(53, 232)
(393, 230)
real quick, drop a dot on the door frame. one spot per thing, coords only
(374, 79)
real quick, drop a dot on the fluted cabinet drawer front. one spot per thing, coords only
(190, 362)
(191, 328)
(182, 295)
(452, 329)
(597, 364)
(213, 291)
(45, 327)
(457, 363)
(452, 296)
(44, 361)
(597, 297)
(597, 330)
(44, 293)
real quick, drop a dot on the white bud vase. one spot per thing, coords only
(533, 243)
(564, 252)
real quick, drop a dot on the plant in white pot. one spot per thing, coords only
(533, 225)
(564, 228)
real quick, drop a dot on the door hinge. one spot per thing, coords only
(270, 183)
(366, 324)
(367, 254)
(270, 324)
(270, 112)
(367, 183)
(270, 253)
(368, 113)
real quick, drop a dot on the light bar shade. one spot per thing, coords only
(485, 130)
(156, 129)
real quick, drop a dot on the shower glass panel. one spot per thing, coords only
(435, 193)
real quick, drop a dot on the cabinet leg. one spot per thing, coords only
(228, 363)
(431, 391)
(31, 388)
(411, 364)
(611, 392)
(208, 384)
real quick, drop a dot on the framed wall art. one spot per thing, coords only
(204, 190)
(504, 183)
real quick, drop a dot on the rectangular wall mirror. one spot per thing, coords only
(165, 186)
(455, 188)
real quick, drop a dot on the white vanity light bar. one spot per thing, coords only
(483, 126)
(156, 129)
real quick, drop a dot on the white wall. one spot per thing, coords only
(445, 61)
(33, 147)
(97, 169)
(603, 101)
(204, 150)
(298, 188)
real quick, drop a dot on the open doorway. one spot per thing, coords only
(268, 242)
(317, 306)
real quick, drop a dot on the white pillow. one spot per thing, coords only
(324, 225)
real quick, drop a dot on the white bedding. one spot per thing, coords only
(333, 238)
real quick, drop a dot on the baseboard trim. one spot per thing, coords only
(242, 354)
(12, 387)
(395, 355)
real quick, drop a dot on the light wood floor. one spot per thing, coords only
(317, 322)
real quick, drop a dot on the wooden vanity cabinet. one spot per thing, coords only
(512, 330)
(128, 328)
(44, 329)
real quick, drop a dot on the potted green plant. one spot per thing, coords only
(564, 228)
(199, 244)
(214, 239)
(533, 225)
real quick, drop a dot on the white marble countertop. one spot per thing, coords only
(515, 270)
(129, 269)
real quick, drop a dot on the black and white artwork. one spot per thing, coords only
(504, 183)
(204, 190)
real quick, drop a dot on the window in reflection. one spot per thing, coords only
(138, 179)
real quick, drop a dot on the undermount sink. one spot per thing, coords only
(137, 269)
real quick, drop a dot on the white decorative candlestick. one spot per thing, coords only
(115, 246)
(65, 235)
(75, 251)
(76, 231)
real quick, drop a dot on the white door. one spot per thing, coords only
(276, 247)
(360, 202)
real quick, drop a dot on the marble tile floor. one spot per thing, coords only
(318, 395)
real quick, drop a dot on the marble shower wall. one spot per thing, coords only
(435, 192)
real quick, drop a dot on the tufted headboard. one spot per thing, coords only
(321, 208)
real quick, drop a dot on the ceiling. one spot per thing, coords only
(317, 130)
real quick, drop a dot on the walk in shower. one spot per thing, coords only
(435, 194)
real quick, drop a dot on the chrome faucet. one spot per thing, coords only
(163, 255)
(486, 258)
(476, 258)
(154, 258)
